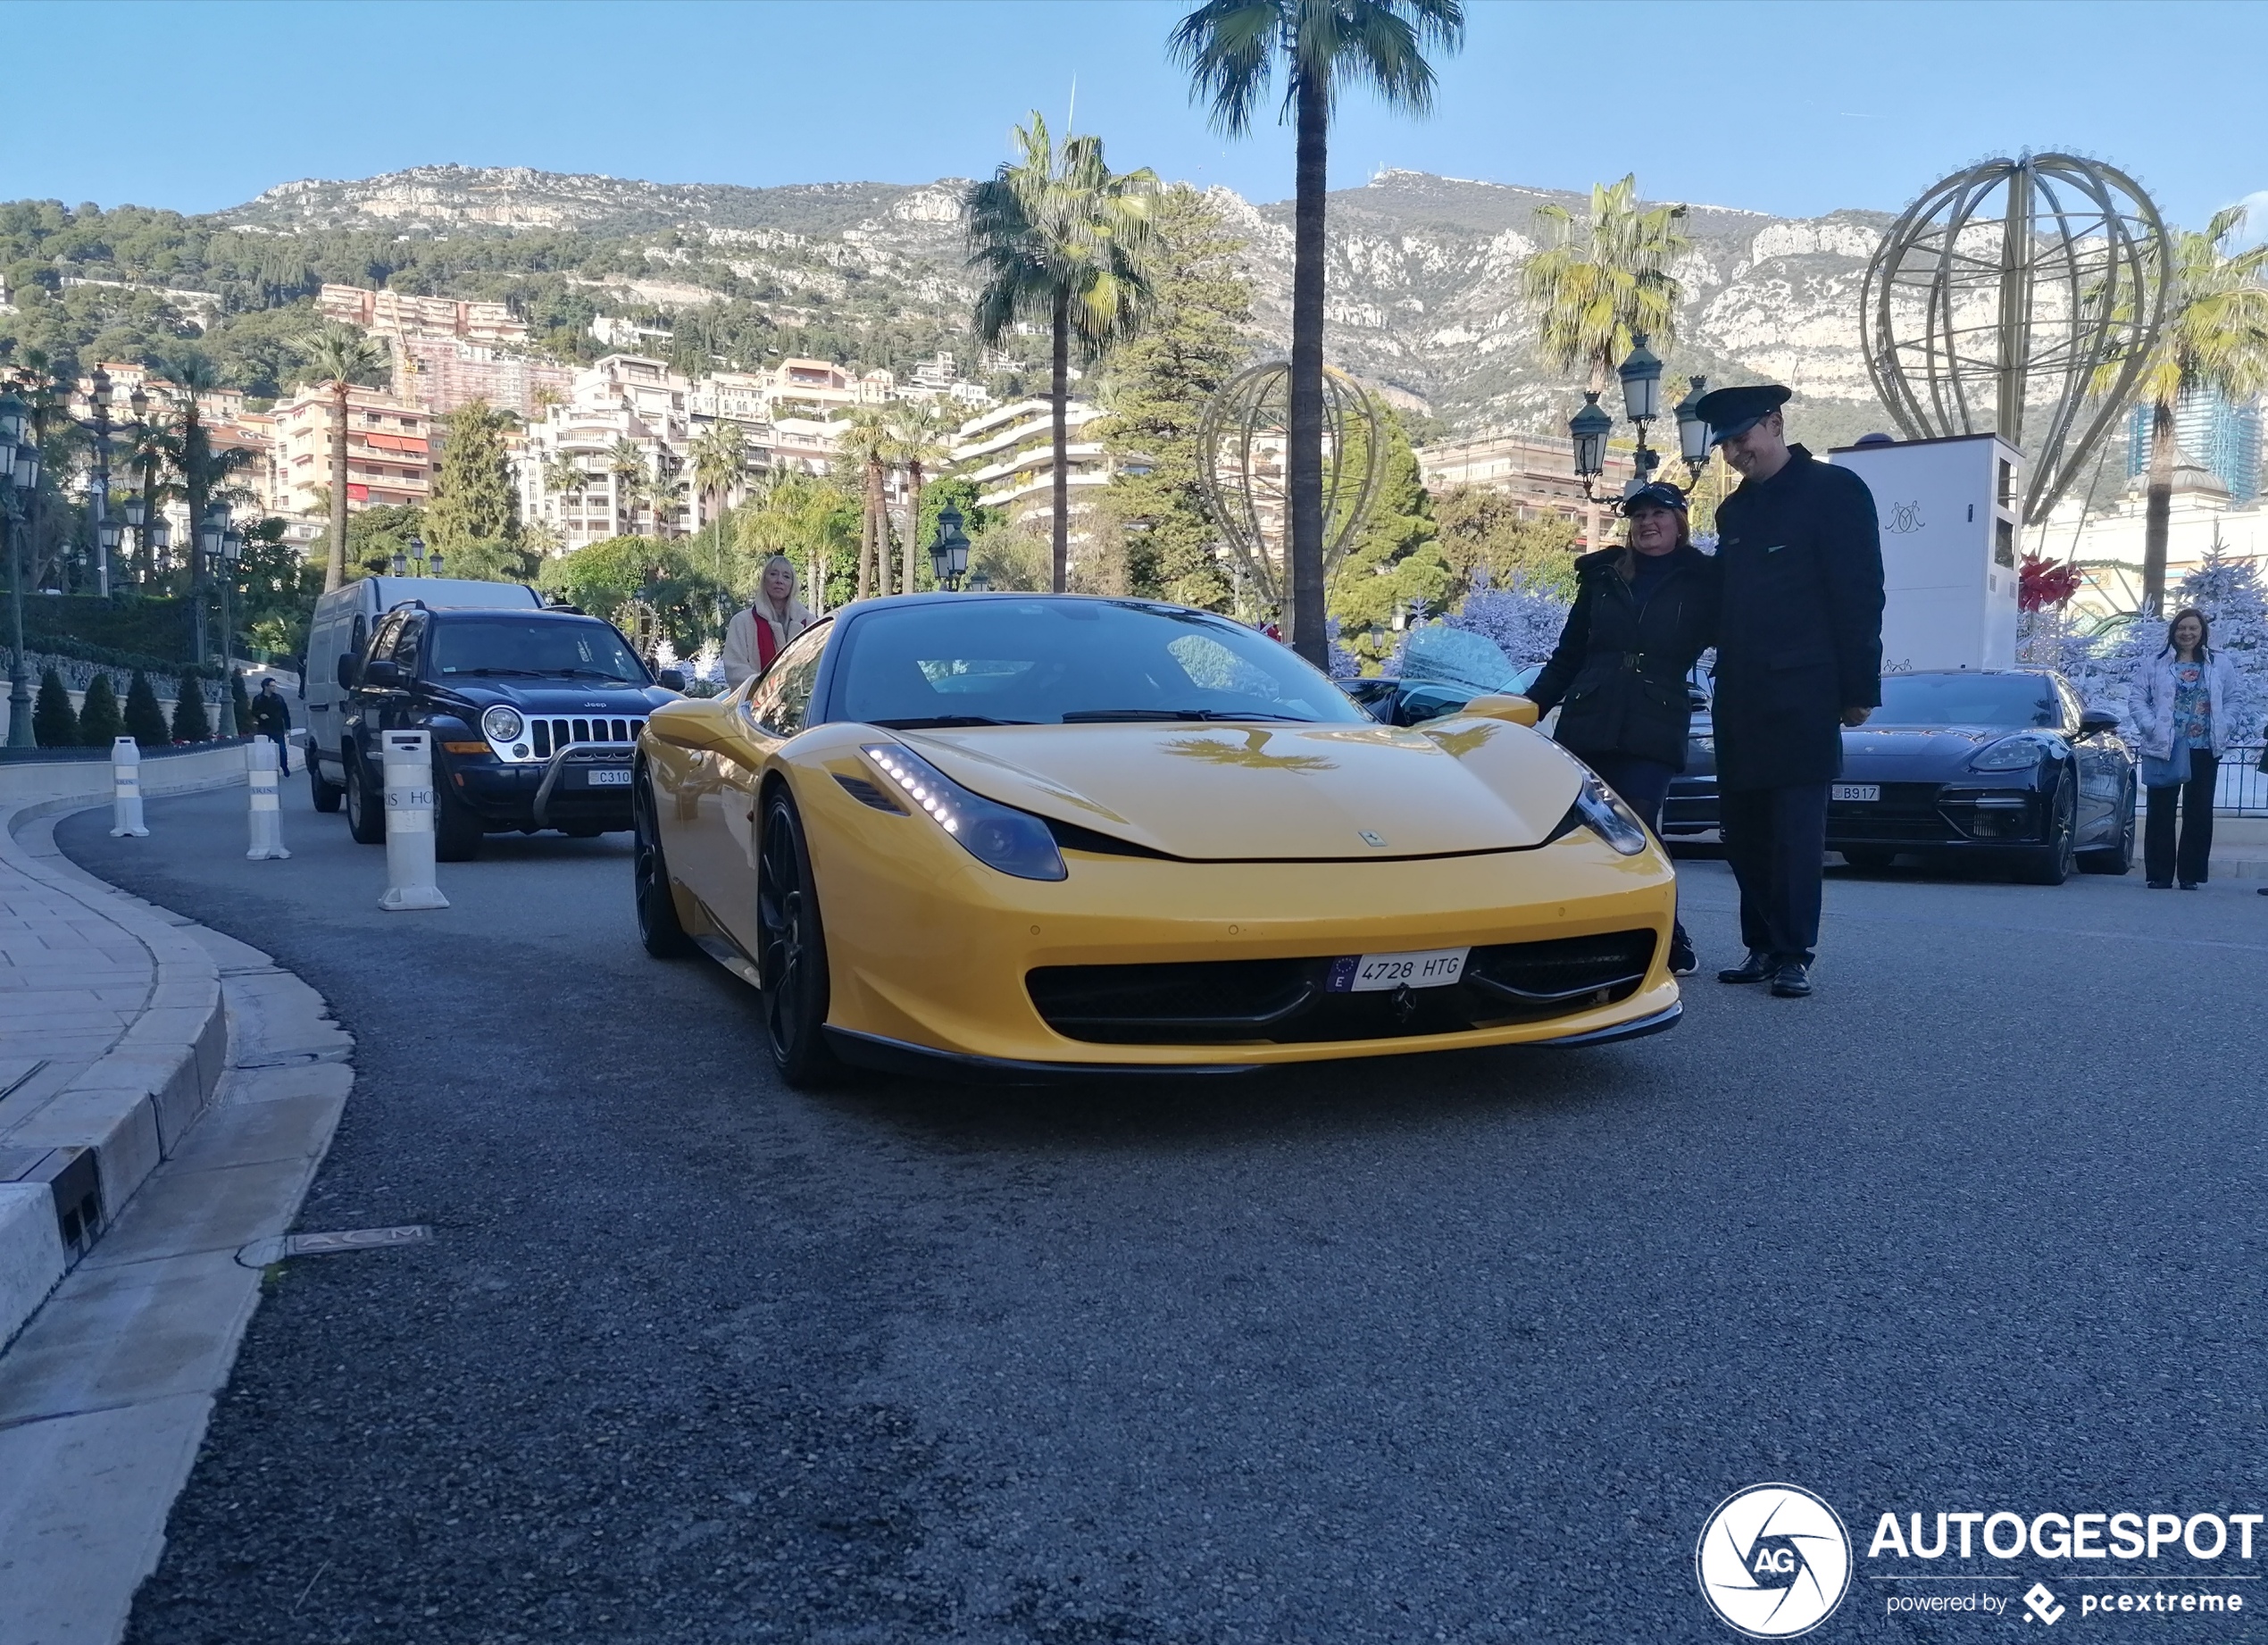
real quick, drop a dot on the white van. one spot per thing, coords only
(341, 628)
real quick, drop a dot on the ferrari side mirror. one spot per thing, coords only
(1519, 710)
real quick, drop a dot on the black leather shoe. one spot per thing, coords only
(1792, 982)
(2189, 885)
(1683, 962)
(2161, 885)
(1756, 968)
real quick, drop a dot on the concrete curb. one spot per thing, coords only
(136, 1104)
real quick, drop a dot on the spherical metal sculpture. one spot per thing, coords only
(1242, 440)
(2020, 298)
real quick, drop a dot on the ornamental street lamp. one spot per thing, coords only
(1588, 429)
(949, 554)
(1641, 375)
(231, 555)
(138, 509)
(979, 583)
(12, 422)
(1693, 430)
(98, 493)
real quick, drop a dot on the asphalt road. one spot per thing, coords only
(1463, 1348)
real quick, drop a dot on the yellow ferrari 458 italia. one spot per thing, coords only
(1053, 834)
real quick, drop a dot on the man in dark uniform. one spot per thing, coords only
(1799, 656)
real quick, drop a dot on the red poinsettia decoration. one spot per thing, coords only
(2045, 583)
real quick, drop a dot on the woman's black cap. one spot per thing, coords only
(1656, 494)
(1730, 412)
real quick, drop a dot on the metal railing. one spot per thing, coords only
(2242, 789)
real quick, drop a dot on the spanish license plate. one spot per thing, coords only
(1855, 790)
(610, 778)
(1371, 973)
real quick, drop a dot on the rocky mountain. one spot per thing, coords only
(1424, 275)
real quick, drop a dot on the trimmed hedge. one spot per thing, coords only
(100, 723)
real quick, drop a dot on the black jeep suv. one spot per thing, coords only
(534, 716)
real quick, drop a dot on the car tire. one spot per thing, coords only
(457, 834)
(2052, 863)
(658, 927)
(365, 811)
(791, 959)
(2117, 859)
(1872, 862)
(327, 795)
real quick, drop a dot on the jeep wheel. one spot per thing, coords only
(326, 794)
(365, 811)
(456, 826)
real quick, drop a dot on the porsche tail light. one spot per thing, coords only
(1015, 842)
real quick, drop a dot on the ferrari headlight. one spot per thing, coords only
(502, 724)
(1015, 842)
(1603, 813)
(2010, 753)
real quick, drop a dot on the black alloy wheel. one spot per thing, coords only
(658, 926)
(325, 794)
(365, 811)
(791, 961)
(2052, 863)
(2118, 857)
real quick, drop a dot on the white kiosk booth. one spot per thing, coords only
(1948, 514)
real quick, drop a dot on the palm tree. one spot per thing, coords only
(564, 476)
(1230, 48)
(2215, 338)
(1063, 238)
(664, 500)
(921, 432)
(719, 466)
(1604, 278)
(337, 355)
(864, 448)
(626, 467)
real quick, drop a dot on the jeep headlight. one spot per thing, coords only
(2010, 753)
(502, 724)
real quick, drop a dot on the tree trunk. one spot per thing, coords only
(878, 520)
(2157, 514)
(196, 484)
(335, 569)
(913, 522)
(1061, 445)
(1303, 456)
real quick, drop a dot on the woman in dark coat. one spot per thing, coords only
(1644, 613)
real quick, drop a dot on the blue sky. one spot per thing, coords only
(1793, 108)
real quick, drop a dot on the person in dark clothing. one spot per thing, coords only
(1799, 656)
(1644, 612)
(271, 719)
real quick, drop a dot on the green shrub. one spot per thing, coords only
(54, 723)
(240, 701)
(190, 721)
(145, 720)
(100, 723)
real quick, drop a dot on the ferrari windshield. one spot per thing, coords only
(587, 650)
(2011, 700)
(998, 659)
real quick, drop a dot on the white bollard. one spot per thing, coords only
(267, 804)
(126, 790)
(409, 823)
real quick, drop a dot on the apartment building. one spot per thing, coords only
(389, 455)
(621, 400)
(443, 373)
(394, 313)
(1009, 453)
(1537, 472)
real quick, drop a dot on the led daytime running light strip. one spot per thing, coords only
(915, 789)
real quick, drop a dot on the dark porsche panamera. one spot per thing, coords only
(2003, 764)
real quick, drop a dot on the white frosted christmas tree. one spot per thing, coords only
(2228, 590)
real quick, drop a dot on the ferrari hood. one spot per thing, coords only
(1250, 793)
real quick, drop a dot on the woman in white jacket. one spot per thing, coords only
(2183, 700)
(762, 632)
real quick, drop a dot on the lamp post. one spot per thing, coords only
(949, 554)
(1692, 432)
(140, 509)
(98, 494)
(1641, 377)
(209, 532)
(232, 557)
(13, 453)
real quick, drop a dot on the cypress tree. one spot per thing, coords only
(54, 724)
(145, 720)
(474, 517)
(190, 723)
(241, 702)
(100, 723)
